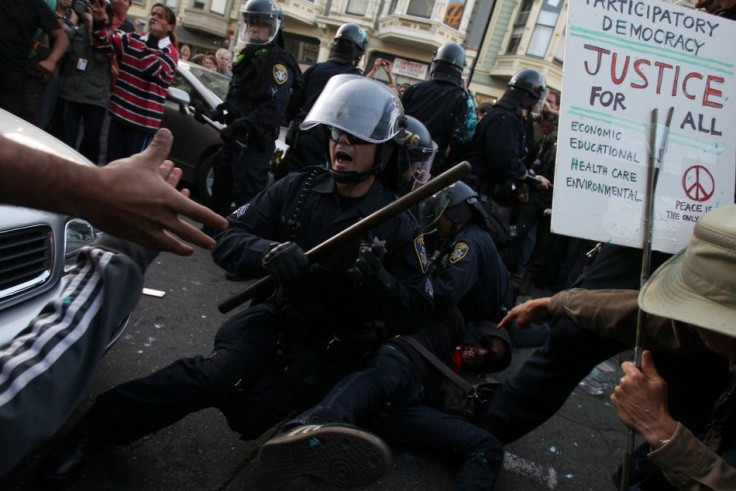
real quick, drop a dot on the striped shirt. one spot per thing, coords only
(139, 92)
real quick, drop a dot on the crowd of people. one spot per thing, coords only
(356, 341)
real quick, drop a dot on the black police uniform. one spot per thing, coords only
(263, 77)
(448, 112)
(310, 147)
(472, 276)
(285, 352)
(496, 153)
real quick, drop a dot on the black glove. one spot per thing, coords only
(234, 131)
(369, 258)
(214, 114)
(285, 262)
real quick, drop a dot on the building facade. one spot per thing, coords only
(500, 36)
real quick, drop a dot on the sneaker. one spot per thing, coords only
(339, 454)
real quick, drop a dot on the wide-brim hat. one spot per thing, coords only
(698, 284)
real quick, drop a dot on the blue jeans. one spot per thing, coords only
(391, 387)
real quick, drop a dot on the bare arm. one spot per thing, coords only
(129, 198)
(61, 44)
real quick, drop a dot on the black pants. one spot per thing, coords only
(544, 382)
(252, 388)
(239, 174)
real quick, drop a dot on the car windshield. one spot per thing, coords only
(215, 82)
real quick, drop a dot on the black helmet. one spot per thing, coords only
(448, 63)
(532, 85)
(260, 12)
(457, 202)
(365, 108)
(350, 43)
(352, 33)
(416, 150)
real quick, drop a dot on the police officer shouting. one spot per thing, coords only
(286, 350)
(308, 147)
(444, 106)
(263, 75)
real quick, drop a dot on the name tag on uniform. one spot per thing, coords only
(81, 64)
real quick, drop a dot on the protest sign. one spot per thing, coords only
(625, 58)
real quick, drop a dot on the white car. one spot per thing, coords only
(37, 248)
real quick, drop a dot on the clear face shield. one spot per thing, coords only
(420, 162)
(357, 105)
(258, 28)
(431, 209)
(536, 109)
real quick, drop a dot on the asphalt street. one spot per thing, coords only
(578, 449)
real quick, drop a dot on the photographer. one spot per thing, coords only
(147, 63)
(380, 63)
(85, 84)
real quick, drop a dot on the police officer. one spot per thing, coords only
(443, 105)
(287, 349)
(401, 383)
(411, 165)
(498, 148)
(308, 147)
(263, 75)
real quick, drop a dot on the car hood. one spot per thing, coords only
(14, 128)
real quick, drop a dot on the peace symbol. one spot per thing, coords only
(698, 183)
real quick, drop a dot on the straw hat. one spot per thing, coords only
(698, 284)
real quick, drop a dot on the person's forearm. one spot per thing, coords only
(58, 185)
(61, 45)
(688, 463)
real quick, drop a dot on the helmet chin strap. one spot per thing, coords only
(351, 177)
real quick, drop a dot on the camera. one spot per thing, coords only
(383, 63)
(79, 6)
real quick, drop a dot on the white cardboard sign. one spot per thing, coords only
(625, 58)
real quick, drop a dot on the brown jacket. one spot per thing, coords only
(686, 461)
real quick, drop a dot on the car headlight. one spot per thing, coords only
(77, 234)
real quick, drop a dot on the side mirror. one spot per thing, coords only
(182, 98)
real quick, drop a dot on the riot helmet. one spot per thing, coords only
(363, 108)
(532, 88)
(448, 63)
(416, 151)
(350, 43)
(261, 22)
(456, 202)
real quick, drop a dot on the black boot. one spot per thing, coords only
(65, 462)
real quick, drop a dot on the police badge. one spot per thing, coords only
(280, 74)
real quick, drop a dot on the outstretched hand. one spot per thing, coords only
(526, 313)
(136, 199)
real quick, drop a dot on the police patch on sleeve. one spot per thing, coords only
(421, 251)
(241, 211)
(459, 251)
(280, 74)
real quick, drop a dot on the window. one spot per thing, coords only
(218, 6)
(544, 28)
(357, 7)
(519, 26)
(420, 8)
(198, 4)
(304, 49)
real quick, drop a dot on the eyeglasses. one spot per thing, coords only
(336, 133)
